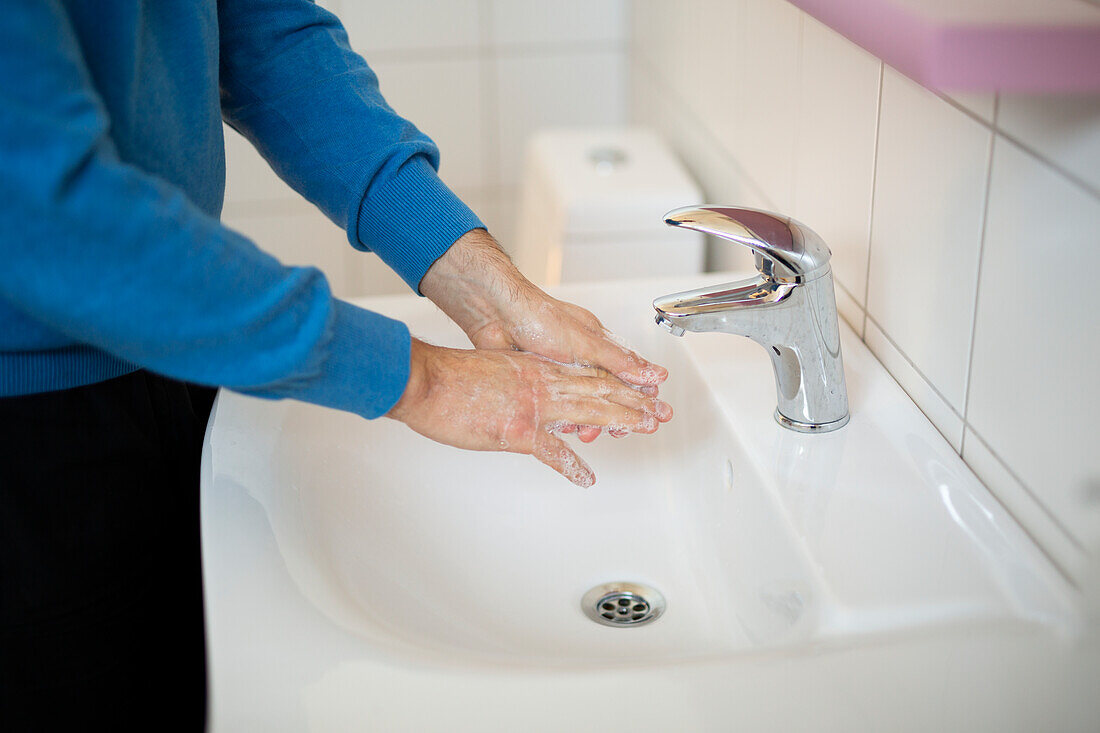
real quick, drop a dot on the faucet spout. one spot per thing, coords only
(789, 309)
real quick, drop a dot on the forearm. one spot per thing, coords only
(294, 87)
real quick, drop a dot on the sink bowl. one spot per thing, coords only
(334, 543)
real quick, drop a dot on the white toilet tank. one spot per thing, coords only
(592, 205)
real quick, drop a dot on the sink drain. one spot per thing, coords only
(623, 604)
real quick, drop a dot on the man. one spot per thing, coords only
(120, 292)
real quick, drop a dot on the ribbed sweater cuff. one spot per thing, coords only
(411, 219)
(367, 363)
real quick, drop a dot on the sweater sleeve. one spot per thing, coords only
(292, 85)
(111, 256)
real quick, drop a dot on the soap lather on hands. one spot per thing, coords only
(542, 366)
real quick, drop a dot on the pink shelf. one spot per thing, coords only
(976, 45)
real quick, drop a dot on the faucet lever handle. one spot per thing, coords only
(787, 250)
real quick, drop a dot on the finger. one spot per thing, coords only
(616, 391)
(580, 369)
(624, 363)
(557, 455)
(588, 433)
(599, 412)
(560, 427)
(616, 433)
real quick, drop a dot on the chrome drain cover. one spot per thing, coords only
(623, 604)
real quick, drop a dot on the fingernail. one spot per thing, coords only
(648, 424)
(664, 410)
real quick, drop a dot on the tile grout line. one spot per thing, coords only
(1027, 490)
(839, 284)
(1055, 167)
(871, 215)
(552, 48)
(1040, 546)
(862, 314)
(978, 276)
(924, 378)
(956, 104)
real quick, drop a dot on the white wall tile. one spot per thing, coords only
(532, 22)
(1065, 129)
(711, 79)
(248, 177)
(646, 21)
(712, 167)
(664, 39)
(835, 150)
(696, 75)
(573, 89)
(932, 404)
(981, 104)
(929, 197)
(497, 208)
(692, 55)
(686, 82)
(369, 275)
(447, 101)
(1037, 336)
(849, 309)
(382, 25)
(296, 233)
(1025, 507)
(763, 140)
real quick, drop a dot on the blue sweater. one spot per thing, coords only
(112, 176)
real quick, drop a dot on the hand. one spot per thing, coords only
(512, 401)
(481, 290)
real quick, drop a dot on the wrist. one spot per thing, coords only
(419, 383)
(474, 282)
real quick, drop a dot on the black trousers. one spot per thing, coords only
(101, 615)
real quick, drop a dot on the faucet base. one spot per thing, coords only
(810, 427)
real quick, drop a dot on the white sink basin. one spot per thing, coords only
(332, 543)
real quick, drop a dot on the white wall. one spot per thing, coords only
(965, 231)
(477, 76)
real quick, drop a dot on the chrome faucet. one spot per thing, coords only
(789, 309)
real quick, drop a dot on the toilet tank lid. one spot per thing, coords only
(603, 180)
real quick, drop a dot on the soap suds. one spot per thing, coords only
(649, 375)
(575, 469)
(529, 330)
(616, 339)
